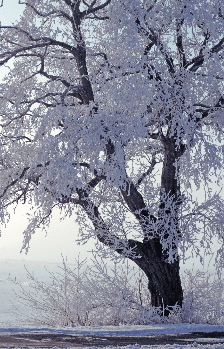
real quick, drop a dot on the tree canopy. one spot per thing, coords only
(113, 110)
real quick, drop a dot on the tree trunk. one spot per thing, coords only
(164, 278)
(164, 281)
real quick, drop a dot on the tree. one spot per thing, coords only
(102, 100)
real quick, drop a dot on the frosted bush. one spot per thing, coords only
(97, 295)
(88, 296)
(203, 298)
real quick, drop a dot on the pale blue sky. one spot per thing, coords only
(10, 11)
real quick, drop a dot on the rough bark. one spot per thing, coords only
(164, 278)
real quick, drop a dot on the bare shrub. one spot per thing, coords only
(203, 298)
(97, 295)
(89, 296)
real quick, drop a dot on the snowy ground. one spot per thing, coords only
(122, 330)
(131, 331)
(137, 346)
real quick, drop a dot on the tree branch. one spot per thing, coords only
(179, 43)
(47, 41)
(92, 9)
(129, 247)
(68, 2)
(30, 178)
(207, 36)
(148, 48)
(151, 167)
(38, 99)
(14, 181)
(17, 117)
(83, 193)
(205, 113)
(61, 13)
(155, 40)
(154, 135)
(27, 48)
(199, 60)
(98, 17)
(136, 204)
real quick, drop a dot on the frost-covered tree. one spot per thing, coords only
(113, 110)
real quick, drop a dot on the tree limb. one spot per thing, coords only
(155, 40)
(179, 42)
(68, 2)
(151, 167)
(61, 13)
(205, 113)
(130, 247)
(51, 42)
(14, 182)
(92, 9)
(199, 60)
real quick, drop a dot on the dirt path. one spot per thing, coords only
(49, 340)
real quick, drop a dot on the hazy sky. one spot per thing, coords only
(60, 238)
(61, 235)
(10, 11)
